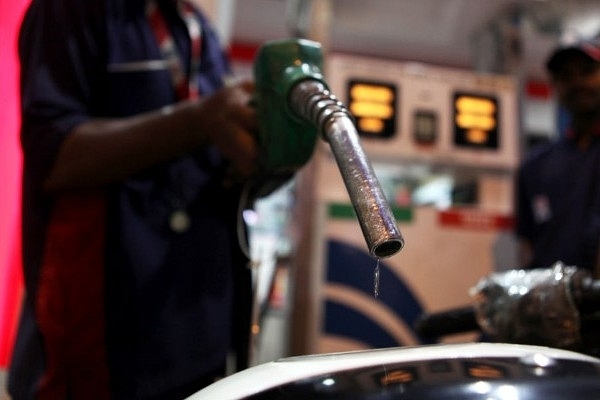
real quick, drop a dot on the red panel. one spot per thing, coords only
(538, 90)
(475, 220)
(10, 169)
(243, 51)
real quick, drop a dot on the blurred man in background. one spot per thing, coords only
(558, 188)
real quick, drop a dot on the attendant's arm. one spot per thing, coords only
(102, 151)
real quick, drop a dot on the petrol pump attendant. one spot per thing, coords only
(558, 188)
(133, 149)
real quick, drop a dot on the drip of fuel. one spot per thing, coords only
(376, 280)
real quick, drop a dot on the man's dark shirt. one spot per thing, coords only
(169, 296)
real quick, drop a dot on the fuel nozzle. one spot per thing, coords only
(295, 106)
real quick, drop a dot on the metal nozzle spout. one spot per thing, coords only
(311, 100)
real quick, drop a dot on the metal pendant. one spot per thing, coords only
(179, 221)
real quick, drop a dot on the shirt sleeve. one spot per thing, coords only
(59, 52)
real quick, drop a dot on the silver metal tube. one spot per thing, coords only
(311, 100)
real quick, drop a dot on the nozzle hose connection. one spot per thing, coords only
(310, 99)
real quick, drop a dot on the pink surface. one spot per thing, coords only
(11, 287)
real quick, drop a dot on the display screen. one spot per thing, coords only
(373, 105)
(475, 121)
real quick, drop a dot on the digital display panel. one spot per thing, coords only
(475, 121)
(373, 105)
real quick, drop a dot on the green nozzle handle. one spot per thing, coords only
(286, 141)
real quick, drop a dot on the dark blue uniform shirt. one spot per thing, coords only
(558, 206)
(169, 297)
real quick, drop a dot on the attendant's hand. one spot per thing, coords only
(230, 123)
